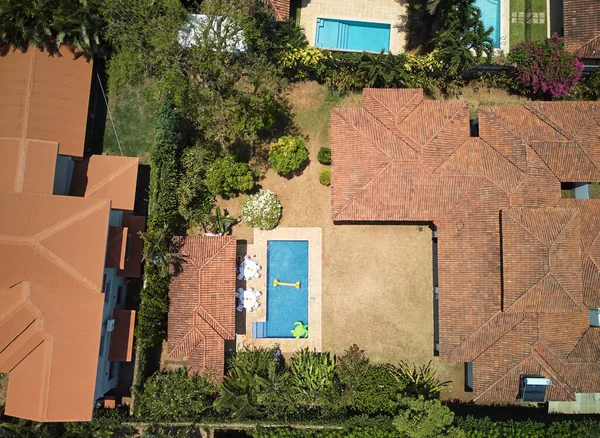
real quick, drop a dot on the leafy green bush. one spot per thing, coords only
(420, 382)
(163, 222)
(302, 62)
(366, 388)
(287, 154)
(324, 156)
(176, 396)
(589, 87)
(325, 176)
(228, 177)
(420, 418)
(262, 210)
(312, 375)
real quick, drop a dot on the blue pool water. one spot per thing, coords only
(352, 35)
(490, 15)
(287, 260)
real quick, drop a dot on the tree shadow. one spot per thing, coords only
(417, 24)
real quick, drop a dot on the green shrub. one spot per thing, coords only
(228, 177)
(422, 418)
(312, 375)
(262, 210)
(287, 154)
(176, 396)
(302, 62)
(325, 176)
(324, 156)
(420, 382)
(367, 388)
(163, 223)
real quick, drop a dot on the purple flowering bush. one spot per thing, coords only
(545, 68)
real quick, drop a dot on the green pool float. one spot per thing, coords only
(300, 330)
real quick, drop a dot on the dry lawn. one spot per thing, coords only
(377, 279)
(488, 97)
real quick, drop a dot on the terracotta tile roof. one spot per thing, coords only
(115, 247)
(582, 27)
(57, 244)
(27, 165)
(45, 98)
(134, 245)
(121, 338)
(517, 265)
(281, 8)
(104, 176)
(202, 302)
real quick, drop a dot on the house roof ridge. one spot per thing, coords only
(363, 188)
(544, 118)
(111, 176)
(363, 134)
(212, 321)
(443, 126)
(548, 367)
(517, 316)
(489, 388)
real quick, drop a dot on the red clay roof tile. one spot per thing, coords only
(516, 264)
(202, 302)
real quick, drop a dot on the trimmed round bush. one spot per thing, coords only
(325, 176)
(287, 154)
(324, 156)
(262, 210)
(227, 177)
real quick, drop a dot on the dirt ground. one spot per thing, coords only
(377, 279)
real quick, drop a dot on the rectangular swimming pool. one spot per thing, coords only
(287, 261)
(352, 35)
(490, 15)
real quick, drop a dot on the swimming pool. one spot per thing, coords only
(352, 35)
(490, 15)
(287, 261)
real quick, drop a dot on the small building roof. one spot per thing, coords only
(281, 8)
(202, 302)
(52, 250)
(45, 98)
(581, 20)
(520, 258)
(105, 176)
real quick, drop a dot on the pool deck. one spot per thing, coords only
(259, 248)
(375, 11)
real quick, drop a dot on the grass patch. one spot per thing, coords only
(312, 104)
(517, 30)
(477, 97)
(133, 116)
(595, 190)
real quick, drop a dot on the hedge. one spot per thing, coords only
(163, 220)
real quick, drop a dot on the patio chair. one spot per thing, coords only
(257, 293)
(239, 307)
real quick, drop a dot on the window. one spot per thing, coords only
(111, 370)
(128, 248)
(104, 283)
(594, 317)
(101, 352)
(107, 291)
(120, 297)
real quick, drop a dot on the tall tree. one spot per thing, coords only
(461, 38)
(48, 24)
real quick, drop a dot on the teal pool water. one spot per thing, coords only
(490, 15)
(352, 35)
(287, 261)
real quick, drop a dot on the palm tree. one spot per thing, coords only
(50, 23)
(159, 250)
(221, 222)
